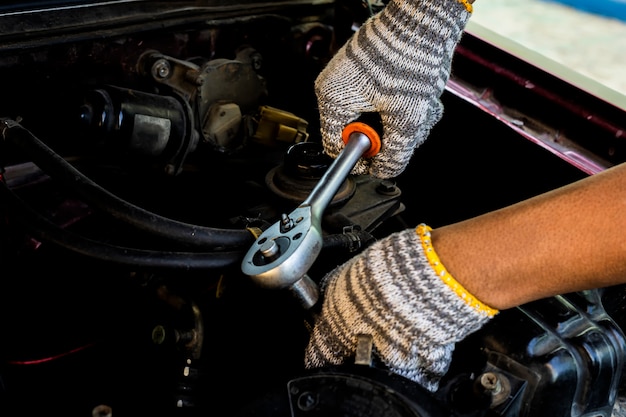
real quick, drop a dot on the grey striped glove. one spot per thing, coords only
(412, 308)
(397, 65)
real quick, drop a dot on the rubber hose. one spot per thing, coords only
(182, 233)
(47, 231)
(351, 242)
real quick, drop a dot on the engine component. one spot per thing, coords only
(355, 390)
(123, 231)
(151, 127)
(283, 254)
(221, 91)
(305, 163)
(153, 223)
(564, 347)
(275, 125)
(218, 103)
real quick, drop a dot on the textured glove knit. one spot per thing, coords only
(397, 65)
(391, 292)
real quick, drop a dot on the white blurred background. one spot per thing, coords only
(589, 44)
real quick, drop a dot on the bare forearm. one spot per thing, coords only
(570, 239)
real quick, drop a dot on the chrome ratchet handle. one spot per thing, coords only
(282, 255)
(326, 188)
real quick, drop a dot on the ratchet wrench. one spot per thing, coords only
(282, 255)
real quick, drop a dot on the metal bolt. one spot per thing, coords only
(490, 381)
(286, 222)
(256, 60)
(497, 385)
(161, 68)
(169, 169)
(102, 411)
(270, 249)
(387, 187)
(158, 335)
(307, 401)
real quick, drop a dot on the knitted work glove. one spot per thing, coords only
(397, 65)
(414, 310)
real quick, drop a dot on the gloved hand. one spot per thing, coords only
(396, 65)
(414, 310)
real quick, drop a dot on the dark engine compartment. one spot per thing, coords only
(142, 142)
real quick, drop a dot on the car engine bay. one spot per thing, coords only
(146, 144)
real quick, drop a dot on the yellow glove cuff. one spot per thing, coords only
(468, 6)
(423, 231)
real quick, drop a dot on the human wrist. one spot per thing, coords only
(424, 233)
(471, 254)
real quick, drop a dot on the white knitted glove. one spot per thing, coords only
(397, 65)
(392, 292)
